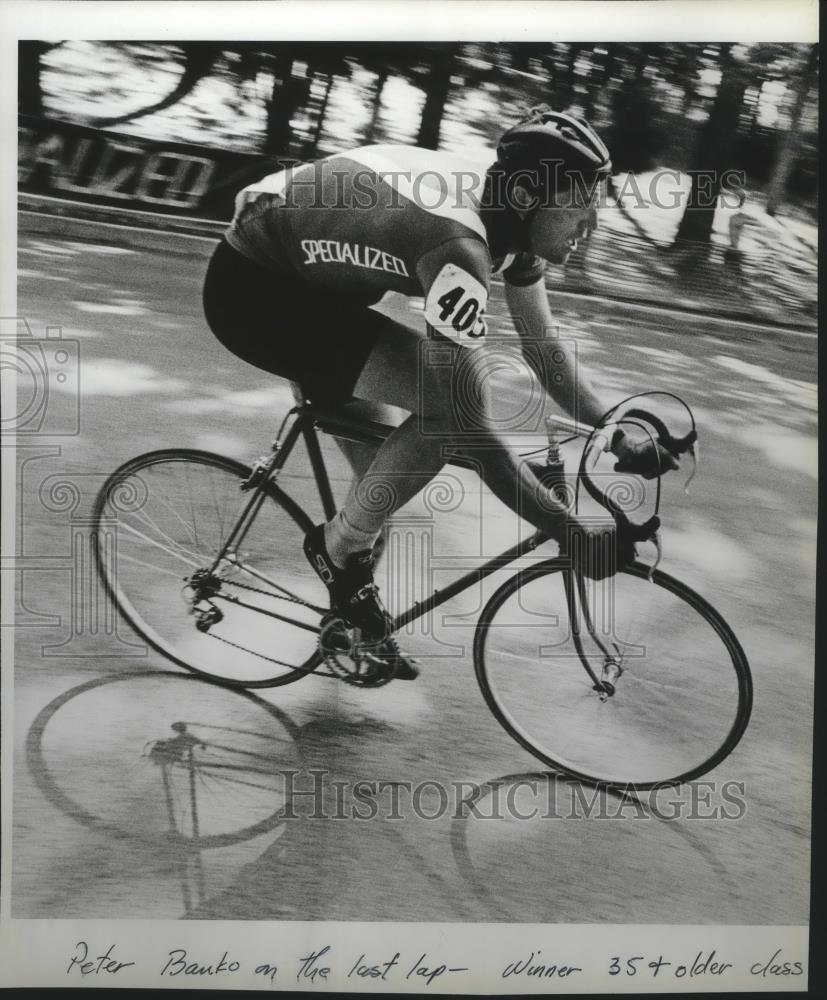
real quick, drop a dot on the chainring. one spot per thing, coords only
(361, 664)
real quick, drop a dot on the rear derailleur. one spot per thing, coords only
(198, 591)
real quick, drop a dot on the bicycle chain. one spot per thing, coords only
(261, 656)
(246, 586)
(390, 649)
(335, 672)
(266, 593)
(269, 593)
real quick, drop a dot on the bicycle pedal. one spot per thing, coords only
(352, 661)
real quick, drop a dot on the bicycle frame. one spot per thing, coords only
(308, 421)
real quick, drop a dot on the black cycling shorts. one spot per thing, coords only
(282, 325)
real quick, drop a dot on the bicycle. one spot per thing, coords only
(202, 556)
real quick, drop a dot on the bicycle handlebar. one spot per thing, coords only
(674, 446)
(628, 533)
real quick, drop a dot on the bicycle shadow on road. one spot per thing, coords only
(540, 846)
(210, 803)
(166, 768)
(348, 854)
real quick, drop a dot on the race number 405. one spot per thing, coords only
(455, 305)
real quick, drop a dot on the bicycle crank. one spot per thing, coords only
(363, 664)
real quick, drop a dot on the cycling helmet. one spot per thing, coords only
(547, 136)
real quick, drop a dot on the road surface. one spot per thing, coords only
(90, 811)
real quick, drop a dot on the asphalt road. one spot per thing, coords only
(91, 816)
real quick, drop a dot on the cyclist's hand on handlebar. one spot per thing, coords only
(644, 458)
(595, 548)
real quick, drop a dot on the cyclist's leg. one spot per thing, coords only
(396, 372)
(360, 455)
(412, 454)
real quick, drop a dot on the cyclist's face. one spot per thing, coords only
(555, 230)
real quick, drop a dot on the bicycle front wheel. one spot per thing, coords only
(682, 700)
(164, 518)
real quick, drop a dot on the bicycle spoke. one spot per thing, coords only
(223, 768)
(249, 754)
(260, 737)
(152, 566)
(176, 515)
(678, 706)
(235, 782)
(158, 545)
(219, 517)
(150, 522)
(243, 609)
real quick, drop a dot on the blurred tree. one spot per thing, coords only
(429, 67)
(635, 136)
(678, 66)
(382, 73)
(603, 59)
(714, 151)
(437, 84)
(289, 91)
(199, 59)
(327, 63)
(384, 61)
(571, 74)
(803, 83)
(29, 68)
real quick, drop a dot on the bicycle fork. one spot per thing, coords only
(577, 601)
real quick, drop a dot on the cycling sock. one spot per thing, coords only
(342, 539)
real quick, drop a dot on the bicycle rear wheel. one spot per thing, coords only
(681, 703)
(164, 517)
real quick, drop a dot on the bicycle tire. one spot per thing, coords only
(124, 602)
(664, 583)
(51, 773)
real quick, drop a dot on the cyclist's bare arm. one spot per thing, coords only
(553, 361)
(456, 292)
(555, 364)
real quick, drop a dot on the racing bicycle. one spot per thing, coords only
(634, 680)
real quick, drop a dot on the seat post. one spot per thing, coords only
(314, 452)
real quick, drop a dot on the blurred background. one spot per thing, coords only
(660, 107)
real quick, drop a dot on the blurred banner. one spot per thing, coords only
(64, 160)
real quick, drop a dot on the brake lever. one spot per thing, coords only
(648, 532)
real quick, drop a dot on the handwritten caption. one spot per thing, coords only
(319, 966)
(312, 968)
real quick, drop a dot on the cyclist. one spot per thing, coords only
(312, 248)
